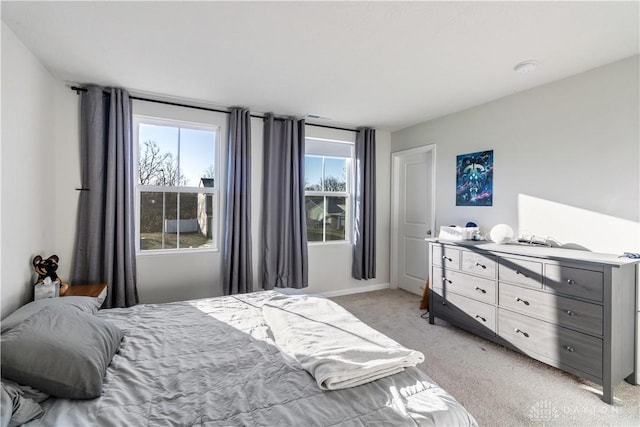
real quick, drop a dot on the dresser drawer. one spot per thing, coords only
(559, 346)
(471, 286)
(523, 272)
(567, 312)
(482, 264)
(464, 310)
(573, 281)
(446, 256)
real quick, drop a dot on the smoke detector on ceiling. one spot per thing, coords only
(526, 67)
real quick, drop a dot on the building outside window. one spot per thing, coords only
(328, 192)
(177, 196)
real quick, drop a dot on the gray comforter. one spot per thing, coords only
(213, 362)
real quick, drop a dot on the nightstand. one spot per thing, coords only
(97, 290)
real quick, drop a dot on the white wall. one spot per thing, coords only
(67, 174)
(28, 169)
(566, 159)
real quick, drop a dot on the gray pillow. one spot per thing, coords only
(64, 353)
(86, 304)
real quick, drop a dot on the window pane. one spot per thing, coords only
(170, 234)
(321, 147)
(206, 220)
(326, 218)
(196, 157)
(157, 154)
(194, 228)
(153, 211)
(162, 228)
(175, 154)
(335, 218)
(314, 207)
(312, 173)
(335, 174)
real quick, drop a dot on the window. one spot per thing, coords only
(328, 190)
(177, 197)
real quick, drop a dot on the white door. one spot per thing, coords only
(413, 216)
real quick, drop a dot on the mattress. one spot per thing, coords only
(214, 362)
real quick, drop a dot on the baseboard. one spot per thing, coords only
(359, 289)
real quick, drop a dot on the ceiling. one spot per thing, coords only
(387, 65)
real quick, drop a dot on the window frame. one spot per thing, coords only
(214, 191)
(348, 194)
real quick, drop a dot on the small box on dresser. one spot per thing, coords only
(570, 309)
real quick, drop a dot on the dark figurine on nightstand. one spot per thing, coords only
(48, 283)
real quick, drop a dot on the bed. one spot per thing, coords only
(227, 361)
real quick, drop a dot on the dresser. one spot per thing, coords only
(574, 310)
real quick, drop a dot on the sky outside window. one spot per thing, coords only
(313, 172)
(196, 155)
(196, 148)
(335, 167)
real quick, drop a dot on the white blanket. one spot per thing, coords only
(330, 343)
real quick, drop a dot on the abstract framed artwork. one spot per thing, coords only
(474, 179)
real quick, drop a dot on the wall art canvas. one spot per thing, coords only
(474, 179)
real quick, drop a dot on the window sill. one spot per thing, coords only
(330, 243)
(163, 252)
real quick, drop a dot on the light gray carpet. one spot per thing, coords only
(498, 386)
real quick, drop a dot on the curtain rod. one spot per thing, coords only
(177, 104)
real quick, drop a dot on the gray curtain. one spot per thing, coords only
(238, 275)
(284, 239)
(105, 245)
(364, 238)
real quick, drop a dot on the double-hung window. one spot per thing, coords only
(177, 196)
(328, 200)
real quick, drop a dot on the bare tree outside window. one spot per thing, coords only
(170, 175)
(332, 183)
(329, 183)
(150, 163)
(156, 168)
(209, 172)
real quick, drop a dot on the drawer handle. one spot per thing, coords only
(521, 273)
(570, 313)
(480, 290)
(525, 302)
(569, 348)
(446, 258)
(571, 281)
(481, 318)
(444, 303)
(518, 331)
(444, 279)
(480, 265)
